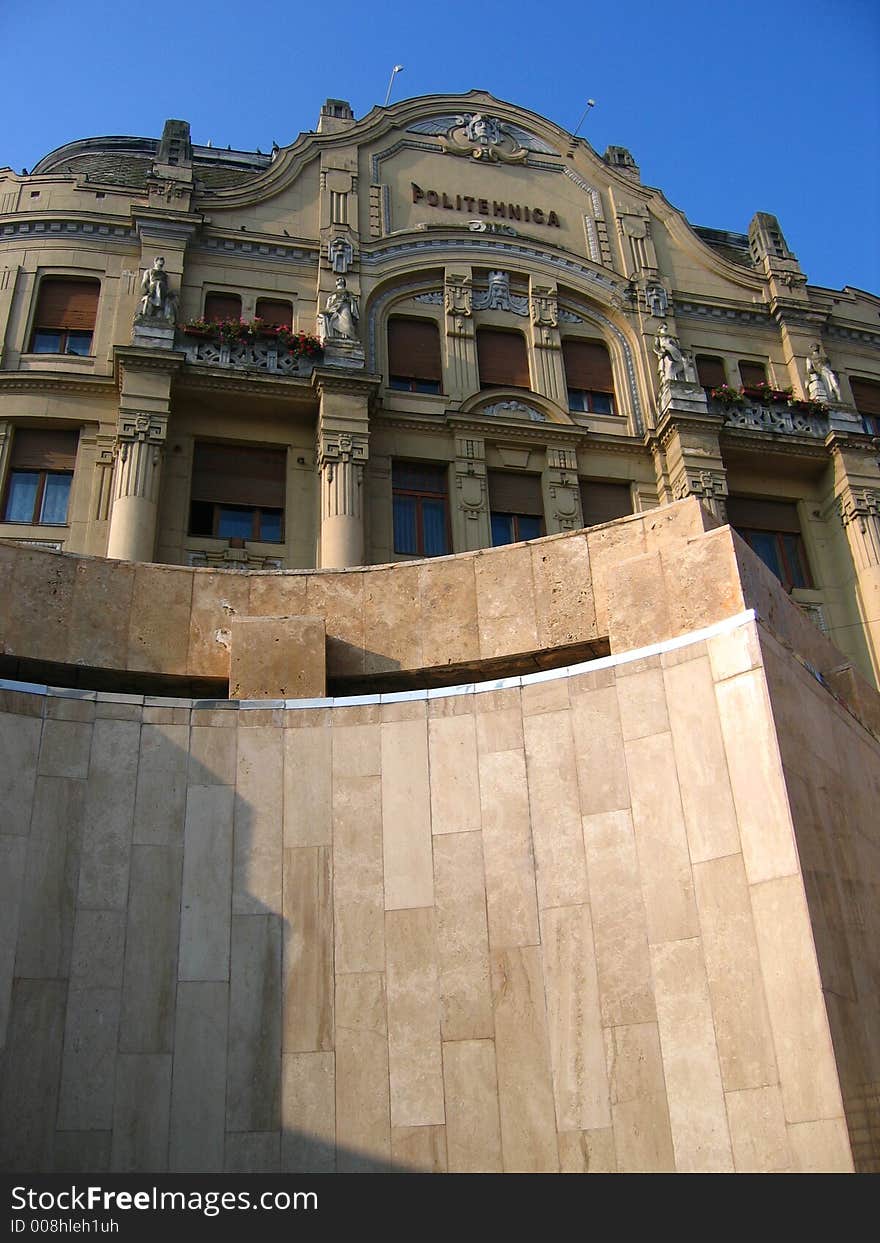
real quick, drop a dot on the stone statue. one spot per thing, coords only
(822, 383)
(482, 129)
(157, 302)
(670, 359)
(338, 320)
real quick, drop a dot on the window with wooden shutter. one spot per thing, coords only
(866, 395)
(710, 371)
(238, 492)
(752, 374)
(588, 376)
(604, 502)
(772, 529)
(274, 313)
(420, 509)
(503, 360)
(414, 356)
(65, 318)
(220, 306)
(40, 476)
(516, 506)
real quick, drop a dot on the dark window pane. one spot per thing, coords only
(405, 539)
(55, 496)
(602, 403)
(402, 383)
(502, 530)
(270, 526)
(577, 399)
(235, 523)
(46, 342)
(427, 386)
(201, 518)
(528, 526)
(22, 495)
(764, 544)
(434, 524)
(792, 550)
(79, 343)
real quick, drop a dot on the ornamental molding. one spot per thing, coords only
(497, 296)
(45, 381)
(535, 433)
(859, 504)
(779, 420)
(342, 448)
(591, 314)
(76, 227)
(514, 410)
(229, 381)
(401, 292)
(862, 335)
(252, 249)
(354, 383)
(788, 446)
(705, 310)
(477, 134)
(143, 428)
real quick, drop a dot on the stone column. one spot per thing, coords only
(690, 462)
(859, 509)
(549, 376)
(562, 496)
(342, 451)
(138, 462)
(462, 371)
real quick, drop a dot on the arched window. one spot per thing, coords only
(588, 377)
(65, 318)
(220, 306)
(414, 356)
(503, 360)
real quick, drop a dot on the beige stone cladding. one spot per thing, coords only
(610, 919)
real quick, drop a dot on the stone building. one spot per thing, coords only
(438, 658)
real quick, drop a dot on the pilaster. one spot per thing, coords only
(549, 378)
(470, 515)
(857, 501)
(561, 492)
(459, 340)
(342, 451)
(691, 460)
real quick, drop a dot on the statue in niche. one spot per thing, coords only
(822, 383)
(157, 302)
(338, 321)
(670, 359)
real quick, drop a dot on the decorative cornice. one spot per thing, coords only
(53, 381)
(863, 335)
(224, 380)
(252, 248)
(78, 227)
(539, 433)
(337, 381)
(690, 309)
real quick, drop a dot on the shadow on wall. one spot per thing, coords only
(171, 1003)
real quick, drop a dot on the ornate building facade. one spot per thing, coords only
(519, 338)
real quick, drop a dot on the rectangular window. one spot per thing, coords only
(220, 306)
(517, 507)
(772, 530)
(502, 358)
(238, 492)
(588, 377)
(414, 356)
(604, 502)
(274, 313)
(752, 374)
(421, 511)
(40, 476)
(710, 371)
(65, 319)
(866, 395)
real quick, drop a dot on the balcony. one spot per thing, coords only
(247, 347)
(771, 411)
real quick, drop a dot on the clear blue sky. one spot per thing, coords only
(761, 105)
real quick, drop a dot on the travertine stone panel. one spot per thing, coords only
(661, 841)
(252, 1152)
(637, 603)
(19, 750)
(642, 1134)
(500, 730)
(198, 1094)
(742, 1026)
(158, 636)
(525, 1085)
(608, 545)
(406, 815)
(39, 600)
(98, 955)
(419, 1149)
(109, 814)
(89, 1064)
(363, 1127)
(511, 898)
(64, 751)
(448, 602)
(253, 1096)
(213, 753)
(690, 1059)
(51, 880)
(307, 788)
(707, 800)
(473, 1126)
(100, 611)
(308, 950)
(642, 699)
(13, 857)
(758, 1132)
(564, 604)
(601, 762)
(339, 599)
(392, 619)
(277, 658)
(587, 1152)
(357, 750)
(455, 785)
(462, 936)
(804, 1055)
(577, 1051)
(735, 652)
(273, 594)
(821, 1147)
(755, 769)
(140, 1113)
(308, 1113)
(555, 810)
(549, 696)
(29, 1074)
(161, 787)
(358, 893)
(414, 1057)
(207, 884)
(620, 929)
(258, 822)
(505, 602)
(217, 600)
(149, 987)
